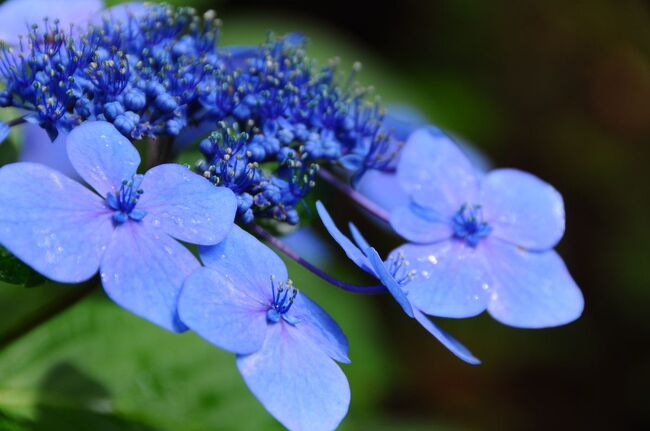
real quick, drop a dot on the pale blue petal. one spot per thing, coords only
(242, 256)
(102, 156)
(450, 278)
(358, 238)
(432, 165)
(383, 189)
(122, 12)
(447, 340)
(296, 381)
(415, 228)
(52, 223)
(531, 290)
(143, 271)
(186, 205)
(522, 209)
(402, 120)
(389, 281)
(17, 15)
(38, 148)
(309, 244)
(320, 327)
(218, 308)
(5, 130)
(351, 250)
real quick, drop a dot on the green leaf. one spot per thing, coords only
(13, 271)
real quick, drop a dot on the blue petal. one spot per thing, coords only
(389, 281)
(351, 250)
(38, 148)
(308, 244)
(383, 189)
(17, 15)
(450, 278)
(5, 130)
(402, 120)
(122, 12)
(52, 223)
(436, 172)
(358, 238)
(102, 156)
(215, 306)
(242, 256)
(447, 340)
(522, 209)
(296, 381)
(321, 328)
(143, 271)
(531, 290)
(415, 228)
(186, 205)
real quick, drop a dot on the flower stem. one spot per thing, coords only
(17, 121)
(360, 199)
(287, 251)
(49, 311)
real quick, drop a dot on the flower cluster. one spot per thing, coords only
(475, 241)
(158, 70)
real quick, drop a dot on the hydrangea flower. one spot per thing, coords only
(286, 345)
(67, 232)
(395, 275)
(481, 241)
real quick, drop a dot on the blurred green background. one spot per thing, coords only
(561, 89)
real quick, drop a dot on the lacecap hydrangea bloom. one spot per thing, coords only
(124, 228)
(286, 345)
(269, 124)
(481, 241)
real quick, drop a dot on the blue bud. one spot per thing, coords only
(112, 110)
(166, 103)
(134, 99)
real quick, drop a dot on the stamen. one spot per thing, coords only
(125, 200)
(469, 226)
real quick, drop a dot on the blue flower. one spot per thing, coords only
(481, 241)
(66, 232)
(395, 275)
(286, 345)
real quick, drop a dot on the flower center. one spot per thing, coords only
(283, 297)
(125, 199)
(469, 226)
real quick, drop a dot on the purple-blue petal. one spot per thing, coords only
(447, 340)
(216, 307)
(434, 167)
(410, 223)
(389, 281)
(248, 262)
(320, 327)
(186, 205)
(531, 290)
(450, 279)
(102, 156)
(522, 209)
(351, 250)
(52, 223)
(296, 381)
(143, 271)
(121, 12)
